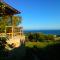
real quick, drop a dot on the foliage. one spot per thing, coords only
(2, 42)
(30, 36)
(50, 52)
(40, 44)
(17, 20)
(1, 4)
(49, 37)
(8, 21)
(3, 23)
(36, 36)
(39, 37)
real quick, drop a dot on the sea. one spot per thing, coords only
(55, 32)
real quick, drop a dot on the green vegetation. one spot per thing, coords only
(48, 52)
(40, 37)
(32, 51)
(39, 49)
(40, 44)
(7, 21)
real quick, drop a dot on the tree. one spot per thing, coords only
(17, 20)
(50, 37)
(36, 36)
(30, 36)
(7, 21)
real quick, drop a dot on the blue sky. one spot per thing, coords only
(38, 14)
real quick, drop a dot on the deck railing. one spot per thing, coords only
(10, 35)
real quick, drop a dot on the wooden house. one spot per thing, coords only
(13, 33)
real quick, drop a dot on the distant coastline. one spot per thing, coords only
(55, 32)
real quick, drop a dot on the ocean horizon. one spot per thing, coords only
(55, 32)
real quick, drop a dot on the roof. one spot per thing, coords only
(6, 9)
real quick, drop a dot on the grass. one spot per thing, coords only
(40, 44)
(41, 50)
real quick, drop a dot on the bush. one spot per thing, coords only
(39, 37)
(2, 42)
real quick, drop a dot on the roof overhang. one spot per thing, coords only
(6, 9)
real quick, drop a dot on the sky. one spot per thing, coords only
(38, 14)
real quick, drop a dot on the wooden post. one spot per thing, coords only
(5, 29)
(12, 32)
(12, 27)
